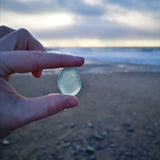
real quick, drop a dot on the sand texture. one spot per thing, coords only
(118, 118)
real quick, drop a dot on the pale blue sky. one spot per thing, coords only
(86, 22)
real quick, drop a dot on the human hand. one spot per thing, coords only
(16, 110)
(21, 39)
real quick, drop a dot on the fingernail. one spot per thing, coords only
(71, 103)
(81, 60)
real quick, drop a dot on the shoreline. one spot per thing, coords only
(117, 67)
(99, 67)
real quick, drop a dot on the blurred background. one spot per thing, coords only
(86, 23)
(62, 25)
(118, 117)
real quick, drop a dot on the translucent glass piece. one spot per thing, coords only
(69, 81)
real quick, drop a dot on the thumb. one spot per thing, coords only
(41, 107)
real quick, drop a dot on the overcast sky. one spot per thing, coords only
(86, 22)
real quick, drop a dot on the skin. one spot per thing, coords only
(20, 52)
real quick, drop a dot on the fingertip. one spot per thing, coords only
(81, 61)
(72, 102)
(41, 107)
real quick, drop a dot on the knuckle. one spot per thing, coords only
(3, 27)
(52, 107)
(23, 32)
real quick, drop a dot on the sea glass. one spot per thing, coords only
(69, 81)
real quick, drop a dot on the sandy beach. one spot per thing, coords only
(118, 118)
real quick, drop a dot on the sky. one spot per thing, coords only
(86, 23)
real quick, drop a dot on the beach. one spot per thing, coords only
(118, 117)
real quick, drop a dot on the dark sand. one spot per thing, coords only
(118, 118)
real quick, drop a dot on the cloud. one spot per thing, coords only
(80, 7)
(140, 19)
(137, 4)
(36, 6)
(84, 7)
(37, 22)
(90, 19)
(98, 28)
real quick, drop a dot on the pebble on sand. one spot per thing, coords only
(90, 125)
(90, 149)
(5, 142)
(113, 145)
(98, 136)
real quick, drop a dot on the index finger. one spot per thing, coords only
(29, 61)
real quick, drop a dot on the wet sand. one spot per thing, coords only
(118, 118)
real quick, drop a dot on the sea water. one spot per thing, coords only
(136, 55)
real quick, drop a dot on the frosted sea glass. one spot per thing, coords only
(69, 81)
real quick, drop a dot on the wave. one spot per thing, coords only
(138, 55)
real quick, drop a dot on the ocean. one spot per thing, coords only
(131, 55)
(111, 59)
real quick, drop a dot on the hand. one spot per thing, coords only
(21, 53)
